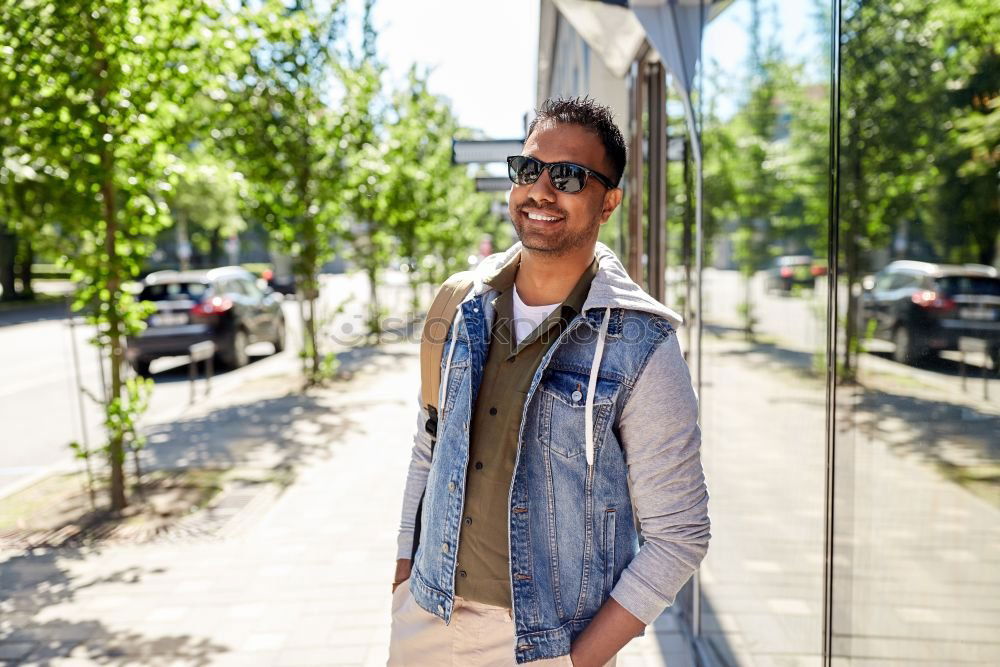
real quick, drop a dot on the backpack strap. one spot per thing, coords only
(436, 325)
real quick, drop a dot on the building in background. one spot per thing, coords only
(851, 414)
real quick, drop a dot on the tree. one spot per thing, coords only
(918, 80)
(97, 93)
(286, 138)
(372, 241)
(759, 197)
(966, 226)
(428, 203)
(205, 204)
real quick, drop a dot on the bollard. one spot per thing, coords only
(203, 351)
(969, 344)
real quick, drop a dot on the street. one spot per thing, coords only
(798, 323)
(39, 407)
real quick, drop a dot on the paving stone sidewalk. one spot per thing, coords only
(302, 581)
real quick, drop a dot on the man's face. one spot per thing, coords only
(547, 220)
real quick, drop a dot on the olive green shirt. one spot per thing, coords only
(483, 561)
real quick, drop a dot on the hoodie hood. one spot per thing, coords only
(611, 288)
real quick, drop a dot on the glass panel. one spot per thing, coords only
(766, 105)
(917, 511)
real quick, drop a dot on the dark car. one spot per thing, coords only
(924, 308)
(222, 305)
(789, 271)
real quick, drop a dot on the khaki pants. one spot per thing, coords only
(480, 635)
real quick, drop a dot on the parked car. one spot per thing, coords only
(223, 305)
(788, 271)
(924, 308)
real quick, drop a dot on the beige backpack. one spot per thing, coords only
(439, 317)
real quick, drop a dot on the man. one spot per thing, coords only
(566, 416)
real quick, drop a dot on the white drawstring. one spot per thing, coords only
(443, 389)
(595, 366)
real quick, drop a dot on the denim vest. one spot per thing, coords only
(571, 526)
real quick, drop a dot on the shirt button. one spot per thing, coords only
(493, 411)
(479, 465)
(461, 573)
(468, 521)
(577, 395)
(475, 310)
(444, 548)
(451, 486)
(441, 609)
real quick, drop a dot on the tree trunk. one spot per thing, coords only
(851, 260)
(414, 279)
(8, 256)
(748, 307)
(374, 324)
(310, 327)
(215, 246)
(25, 258)
(116, 448)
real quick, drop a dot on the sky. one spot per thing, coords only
(481, 54)
(794, 27)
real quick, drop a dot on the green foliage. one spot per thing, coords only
(206, 199)
(284, 136)
(123, 121)
(919, 136)
(130, 408)
(94, 97)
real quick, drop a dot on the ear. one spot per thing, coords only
(612, 198)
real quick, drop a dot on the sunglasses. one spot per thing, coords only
(566, 176)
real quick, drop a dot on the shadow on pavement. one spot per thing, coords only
(34, 313)
(944, 366)
(955, 437)
(49, 612)
(180, 372)
(278, 432)
(33, 582)
(264, 430)
(715, 637)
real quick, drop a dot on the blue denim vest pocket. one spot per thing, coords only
(609, 551)
(562, 403)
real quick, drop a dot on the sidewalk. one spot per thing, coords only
(915, 577)
(297, 580)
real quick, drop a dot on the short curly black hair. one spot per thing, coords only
(597, 118)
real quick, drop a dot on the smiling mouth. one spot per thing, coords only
(539, 217)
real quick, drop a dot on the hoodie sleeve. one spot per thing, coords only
(416, 479)
(661, 439)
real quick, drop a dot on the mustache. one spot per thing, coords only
(552, 210)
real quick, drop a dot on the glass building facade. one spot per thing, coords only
(849, 325)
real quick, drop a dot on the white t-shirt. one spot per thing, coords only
(527, 318)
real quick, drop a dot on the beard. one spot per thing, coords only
(562, 239)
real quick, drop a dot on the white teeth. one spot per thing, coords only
(545, 218)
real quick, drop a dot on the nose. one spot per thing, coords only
(542, 190)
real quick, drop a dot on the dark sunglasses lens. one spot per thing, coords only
(567, 178)
(524, 170)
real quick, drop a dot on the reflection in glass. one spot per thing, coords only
(766, 106)
(917, 509)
